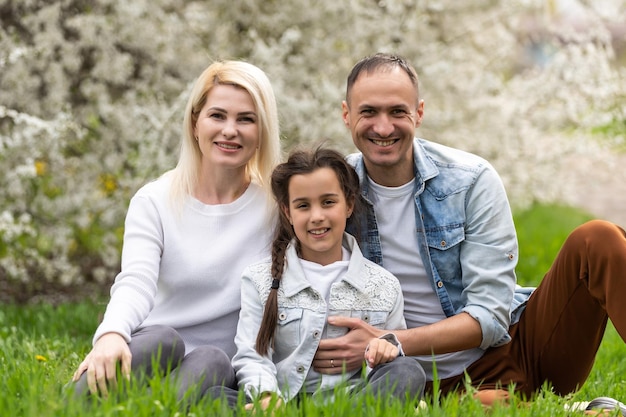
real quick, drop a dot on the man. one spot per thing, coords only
(439, 220)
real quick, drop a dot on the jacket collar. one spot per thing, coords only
(423, 165)
(297, 281)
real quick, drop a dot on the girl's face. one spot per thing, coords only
(227, 128)
(318, 211)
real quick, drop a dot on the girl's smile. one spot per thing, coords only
(318, 211)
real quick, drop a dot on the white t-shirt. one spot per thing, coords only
(321, 278)
(395, 211)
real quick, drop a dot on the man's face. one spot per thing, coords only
(382, 116)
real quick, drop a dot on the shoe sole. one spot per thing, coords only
(606, 403)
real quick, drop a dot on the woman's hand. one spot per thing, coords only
(101, 363)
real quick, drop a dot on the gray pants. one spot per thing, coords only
(403, 379)
(162, 347)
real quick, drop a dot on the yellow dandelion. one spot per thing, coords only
(108, 184)
(41, 167)
(41, 358)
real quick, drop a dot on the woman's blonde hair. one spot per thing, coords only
(253, 80)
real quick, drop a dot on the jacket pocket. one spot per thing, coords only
(288, 329)
(444, 245)
(376, 319)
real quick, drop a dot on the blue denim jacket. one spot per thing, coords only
(465, 233)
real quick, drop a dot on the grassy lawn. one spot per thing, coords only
(41, 345)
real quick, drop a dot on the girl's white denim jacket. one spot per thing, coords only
(367, 291)
(465, 234)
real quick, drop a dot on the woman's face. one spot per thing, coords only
(318, 211)
(227, 128)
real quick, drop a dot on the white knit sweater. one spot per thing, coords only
(184, 270)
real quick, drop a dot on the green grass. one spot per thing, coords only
(41, 345)
(541, 231)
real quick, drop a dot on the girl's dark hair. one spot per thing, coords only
(300, 161)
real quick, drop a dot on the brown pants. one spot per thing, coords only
(558, 335)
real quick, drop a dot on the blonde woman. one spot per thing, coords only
(188, 236)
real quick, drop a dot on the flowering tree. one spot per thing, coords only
(92, 96)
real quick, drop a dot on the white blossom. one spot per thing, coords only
(93, 98)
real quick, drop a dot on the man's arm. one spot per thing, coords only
(452, 334)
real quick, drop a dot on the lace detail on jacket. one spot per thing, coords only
(381, 291)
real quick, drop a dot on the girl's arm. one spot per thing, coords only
(256, 373)
(395, 320)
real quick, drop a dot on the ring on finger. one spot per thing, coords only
(332, 363)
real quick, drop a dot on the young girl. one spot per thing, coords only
(317, 270)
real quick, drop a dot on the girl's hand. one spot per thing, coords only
(268, 400)
(380, 351)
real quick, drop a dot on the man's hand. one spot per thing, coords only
(345, 352)
(101, 363)
(380, 351)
